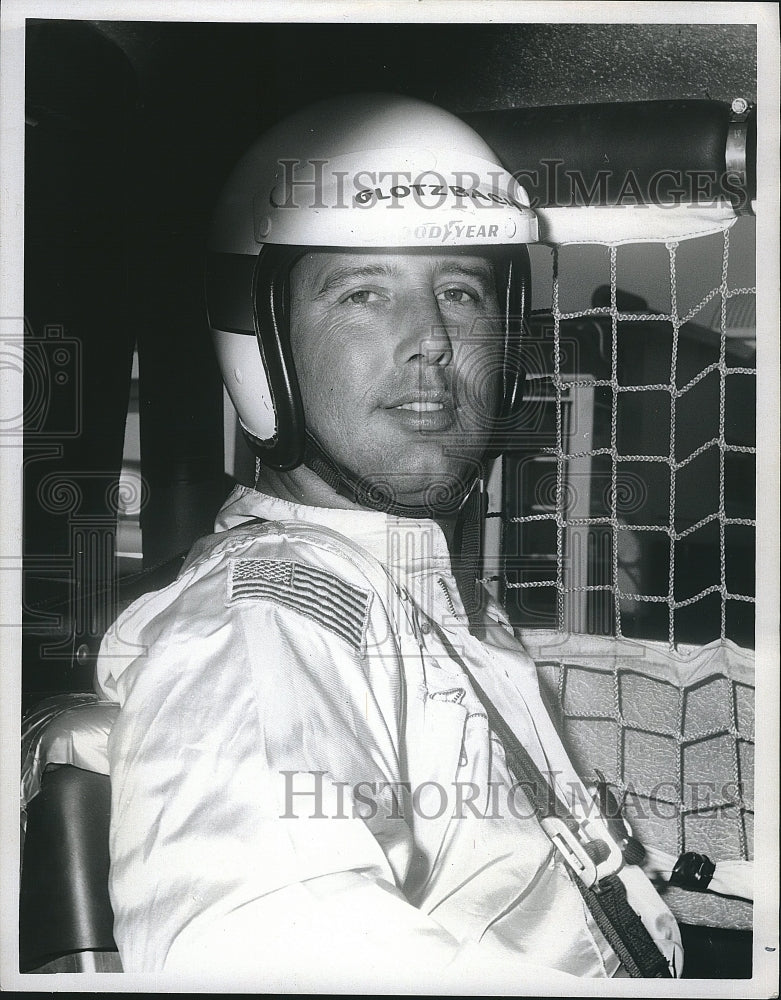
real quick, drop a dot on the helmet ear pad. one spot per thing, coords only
(271, 307)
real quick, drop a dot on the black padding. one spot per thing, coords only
(64, 902)
(584, 154)
(716, 952)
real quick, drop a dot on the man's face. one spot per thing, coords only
(399, 362)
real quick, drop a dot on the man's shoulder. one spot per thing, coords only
(221, 543)
(290, 574)
(279, 540)
(302, 566)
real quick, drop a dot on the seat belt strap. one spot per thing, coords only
(606, 899)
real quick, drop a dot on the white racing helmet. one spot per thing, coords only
(367, 172)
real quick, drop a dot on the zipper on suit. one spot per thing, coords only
(448, 598)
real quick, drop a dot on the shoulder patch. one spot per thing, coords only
(322, 596)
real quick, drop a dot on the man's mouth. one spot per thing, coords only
(420, 407)
(421, 401)
(423, 411)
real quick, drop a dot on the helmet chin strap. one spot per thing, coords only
(441, 499)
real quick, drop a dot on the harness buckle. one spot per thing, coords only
(590, 853)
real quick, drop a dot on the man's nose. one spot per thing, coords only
(424, 336)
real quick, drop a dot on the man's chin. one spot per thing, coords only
(432, 493)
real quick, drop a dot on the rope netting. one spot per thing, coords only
(662, 708)
(647, 466)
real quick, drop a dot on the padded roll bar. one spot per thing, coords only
(644, 152)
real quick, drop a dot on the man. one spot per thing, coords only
(332, 755)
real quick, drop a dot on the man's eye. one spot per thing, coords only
(362, 297)
(456, 296)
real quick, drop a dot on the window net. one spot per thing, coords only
(626, 514)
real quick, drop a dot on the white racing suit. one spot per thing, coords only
(305, 789)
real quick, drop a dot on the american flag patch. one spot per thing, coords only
(316, 593)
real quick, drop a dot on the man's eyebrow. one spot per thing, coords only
(346, 273)
(479, 272)
(340, 276)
